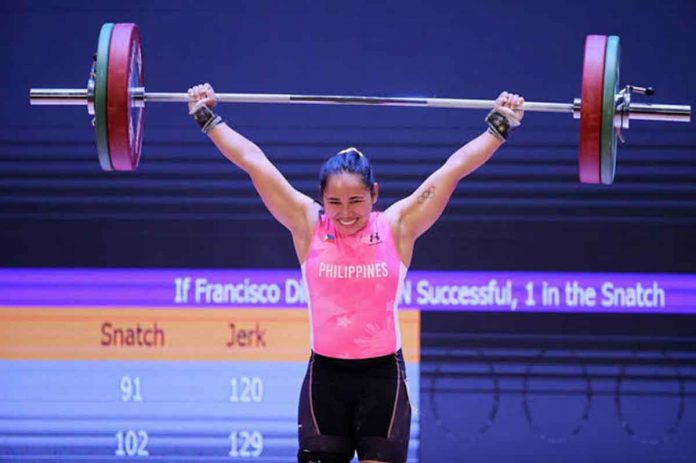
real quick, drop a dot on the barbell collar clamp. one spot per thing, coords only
(649, 91)
(91, 85)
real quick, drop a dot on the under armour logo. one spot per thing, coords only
(374, 239)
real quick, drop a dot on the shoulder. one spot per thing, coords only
(404, 241)
(393, 215)
(302, 236)
(390, 219)
(315, 216)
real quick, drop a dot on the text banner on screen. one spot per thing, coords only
(424, 290)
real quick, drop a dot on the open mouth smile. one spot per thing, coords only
(347, 223)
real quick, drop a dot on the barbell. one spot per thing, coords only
(115, 96)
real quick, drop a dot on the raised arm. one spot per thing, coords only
(415, 214)
(290, 207)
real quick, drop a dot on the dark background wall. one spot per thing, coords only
(524, 210)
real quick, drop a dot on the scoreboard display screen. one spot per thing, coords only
(98, 365)
(168, 365)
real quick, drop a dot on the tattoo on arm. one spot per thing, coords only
(427, 194)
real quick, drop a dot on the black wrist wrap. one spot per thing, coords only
(498, 125)
(206, 118)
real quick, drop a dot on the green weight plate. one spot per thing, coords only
(100, 96)
(610, 89)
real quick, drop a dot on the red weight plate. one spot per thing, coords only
(125, 119)
(591, 108)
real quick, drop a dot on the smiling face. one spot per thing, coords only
(348, 202)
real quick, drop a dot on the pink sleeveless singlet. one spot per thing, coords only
(353, 283)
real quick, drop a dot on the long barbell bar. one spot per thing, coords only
(116, 96)
(81, 97)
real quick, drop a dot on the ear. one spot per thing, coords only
(375, 195)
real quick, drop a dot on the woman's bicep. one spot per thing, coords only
(287, 205)
(421, 209)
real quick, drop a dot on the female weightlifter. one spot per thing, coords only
(354, 260)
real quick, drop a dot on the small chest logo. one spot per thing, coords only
(372, 239)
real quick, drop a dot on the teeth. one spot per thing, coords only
(348, 222)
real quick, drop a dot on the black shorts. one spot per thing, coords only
(354, 405)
